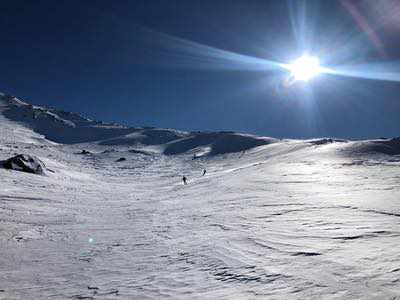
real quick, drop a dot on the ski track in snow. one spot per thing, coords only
(288, 220)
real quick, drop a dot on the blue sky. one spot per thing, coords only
(121, 61)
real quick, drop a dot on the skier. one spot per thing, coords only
(204, 172)
(184, 179)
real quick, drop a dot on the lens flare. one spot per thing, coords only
(305, 68)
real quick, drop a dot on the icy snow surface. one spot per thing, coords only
(290, 219)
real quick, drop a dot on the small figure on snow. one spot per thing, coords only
(204, 172)
(184, 179)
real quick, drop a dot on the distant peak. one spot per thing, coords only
(12, 100)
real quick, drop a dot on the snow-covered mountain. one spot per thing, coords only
(58, 126)
(67, 128)
(109, 216)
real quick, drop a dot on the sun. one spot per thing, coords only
(305, 68)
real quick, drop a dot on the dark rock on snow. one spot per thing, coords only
(25, 163)
(84, 152)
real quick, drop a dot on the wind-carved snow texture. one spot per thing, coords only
(291, 219)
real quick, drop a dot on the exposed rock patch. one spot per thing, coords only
(25, 163)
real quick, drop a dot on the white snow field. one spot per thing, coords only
(271, 219)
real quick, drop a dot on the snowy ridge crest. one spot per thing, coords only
(69, 128)
(55, 125)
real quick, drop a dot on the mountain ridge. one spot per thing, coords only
(71, 128)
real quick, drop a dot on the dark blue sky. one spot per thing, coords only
(100, 58)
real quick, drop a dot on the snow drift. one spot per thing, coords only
(153, 136)
(217, 142)
(380, 146)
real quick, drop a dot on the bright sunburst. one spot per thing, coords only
(305, 68)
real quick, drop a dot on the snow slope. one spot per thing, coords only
(67, 128)
(272, 219)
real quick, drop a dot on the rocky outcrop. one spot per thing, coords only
(25, 163)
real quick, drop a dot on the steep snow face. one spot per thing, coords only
(58, 126)
(290, 219)
(12, 132)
